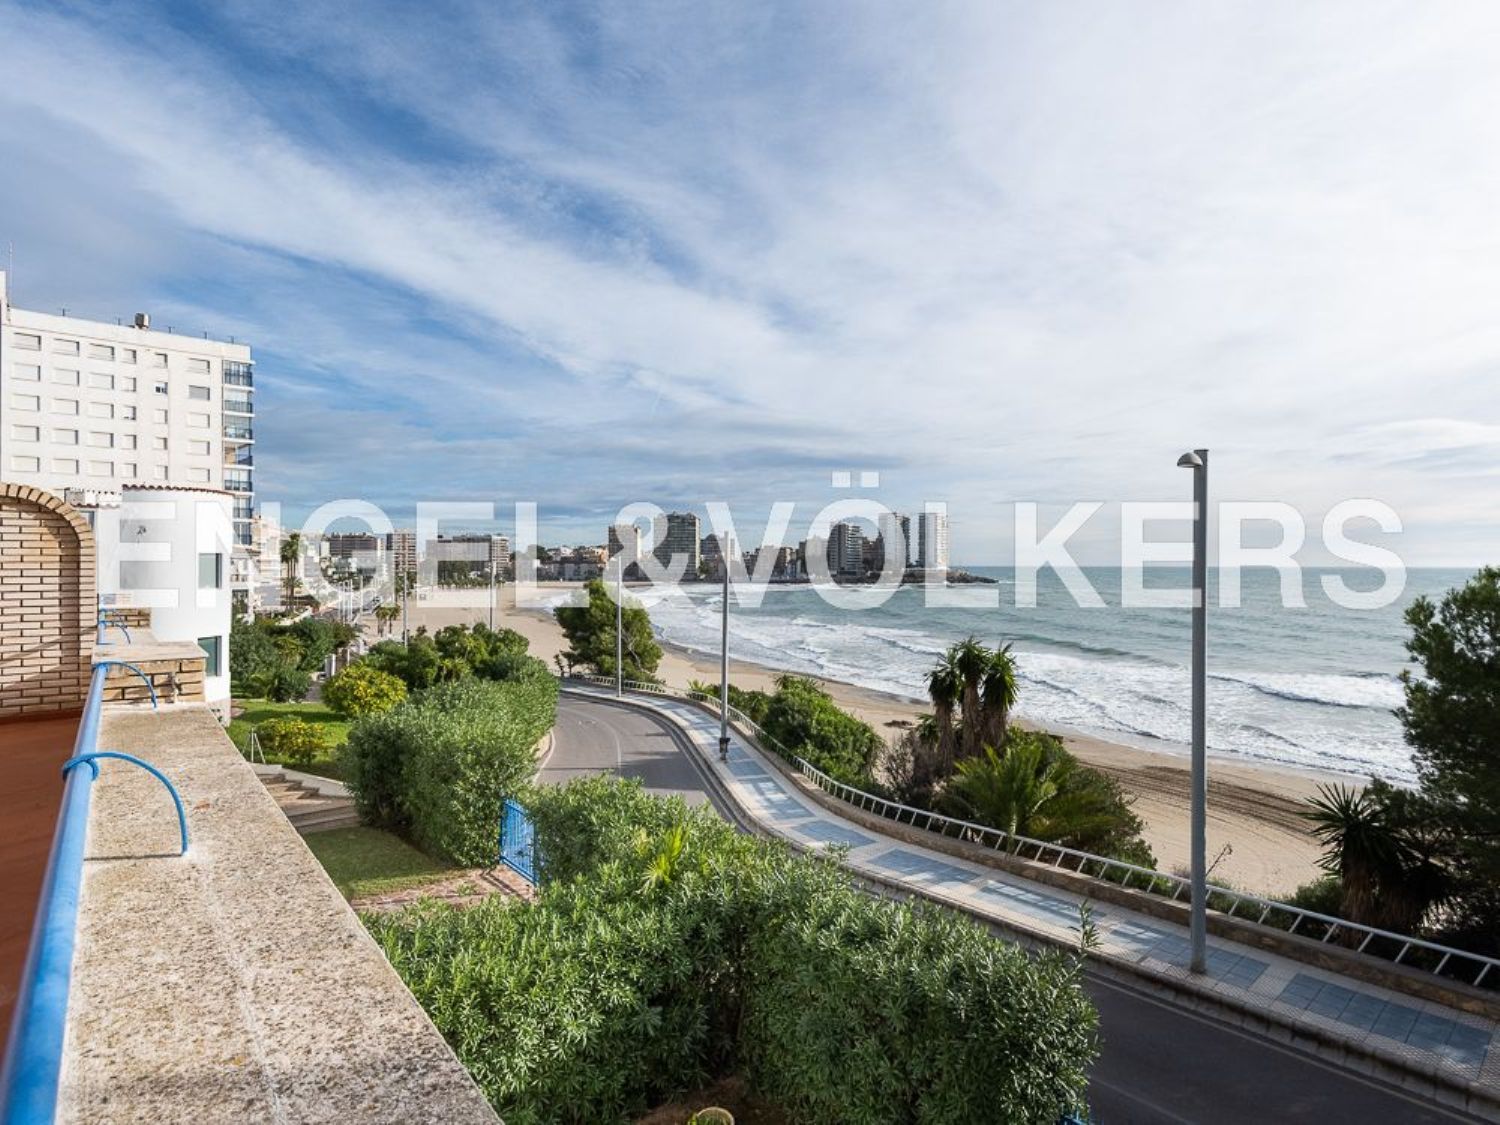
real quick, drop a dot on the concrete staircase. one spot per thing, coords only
(310, 804)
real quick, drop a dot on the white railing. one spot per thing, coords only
(1111, 870)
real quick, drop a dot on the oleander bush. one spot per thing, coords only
(293, 740)
(439, 767)
(667, 950)
(362, 689)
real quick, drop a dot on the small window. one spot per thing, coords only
(198, 366)
(101, 410)
(127, 382)
(65, 347)
(160, 387)
(101, 440)
(199, 393)
(127, 413)
(65, 406)
(159, 443)
(65, 437)
(127, 355)
(211, 647)
(101, 468)
(101, 351)
(127, 441)
(210, 571)
(160, 472)
(26, 433)
(26, 464)
(101, 380)
(200, 476)
(30, 372)
(127, 470)
(25, 402)
(159, 417)
(198, 421)
(65, 377)
(65, 465)
(158, 359)
(200, 448)
(25, 341)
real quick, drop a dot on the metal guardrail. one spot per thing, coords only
(1102, 867)
(33, 1056)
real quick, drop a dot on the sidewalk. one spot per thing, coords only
(1454, 1048)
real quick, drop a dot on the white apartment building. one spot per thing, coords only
(932, 541)
(90, 405)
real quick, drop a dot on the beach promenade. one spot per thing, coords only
(1431, 1049)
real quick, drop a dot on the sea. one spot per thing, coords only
(1312, 687)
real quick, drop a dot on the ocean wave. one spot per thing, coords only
(1324, 689)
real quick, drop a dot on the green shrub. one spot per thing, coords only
(292, 739)
(362, 689)
(455, 652)
(676, 950)
(285, 684)
(752, 704)
(439, 766)
(804, 719)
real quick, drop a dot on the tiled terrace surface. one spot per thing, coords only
(232, 984)
(32, 752)
(1461, 1048)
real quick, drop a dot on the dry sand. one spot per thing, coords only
(1254, 809)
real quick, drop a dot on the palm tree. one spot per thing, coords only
(971, 659)
(1362, 848)
(1009, 793)
(944, 687)
(997, 691)
(291, 558)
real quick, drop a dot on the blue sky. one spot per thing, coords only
(589, 254)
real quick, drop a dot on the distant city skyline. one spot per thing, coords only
(995, 253)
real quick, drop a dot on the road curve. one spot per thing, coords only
(1160, 1064)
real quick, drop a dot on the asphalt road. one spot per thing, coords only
(1160, 1065)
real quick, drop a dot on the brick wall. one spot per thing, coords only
(175, 679)
(47, 606)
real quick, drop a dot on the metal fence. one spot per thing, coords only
(518, 841)
(1402, 949)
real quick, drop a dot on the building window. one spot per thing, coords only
(65, 406)
(160, 472)
(127, 470)
(199, 393)
(210, 571)
(211, 647)
(127, 382)
(101, 468)
(127, 441)
(26, 433)
(65, 377)
(25, 341)
(127, 413)
(200, 476)
(65, 437)
(158, 359)
(199, 366)
(30, 372)
(65, 347)
(26, 402)
(159, 417)
(64, 465)
(102, 380)
(102, 441)
(101, 351)
(200, 448)
(26, 464)
(159, 443)
(160, 387)
(127, 355)
(101, 410)
(198, 421)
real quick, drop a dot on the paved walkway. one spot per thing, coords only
(1455, 1046)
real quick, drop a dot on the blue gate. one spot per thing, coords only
(518, 841)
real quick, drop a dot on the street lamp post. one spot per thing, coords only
(724, 657)
(619, 625)
(1198, 919)
(492, 595)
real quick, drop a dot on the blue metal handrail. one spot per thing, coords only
(106, 620)
(33, 1056)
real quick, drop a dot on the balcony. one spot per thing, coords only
(234, 432)
(237, 482)
(238, 457)
(238, 406)
(233, 380)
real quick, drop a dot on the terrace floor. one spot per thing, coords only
(32, 752)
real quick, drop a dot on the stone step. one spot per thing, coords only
(326, 820)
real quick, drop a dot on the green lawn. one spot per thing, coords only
(367, 861)
(259, 710)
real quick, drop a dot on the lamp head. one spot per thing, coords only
(1190, 461)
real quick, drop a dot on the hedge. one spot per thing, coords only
(438, 767)
(677, 952)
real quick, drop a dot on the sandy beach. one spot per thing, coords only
(1254, 809)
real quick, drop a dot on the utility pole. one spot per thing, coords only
(726, 547)
(619, 625)
(1198, 916)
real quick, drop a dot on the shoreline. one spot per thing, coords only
(1254, 807)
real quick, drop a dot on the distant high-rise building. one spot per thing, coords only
(846, 549)
(624, 549)
(402, 548)
(895, 540)
(676, 537)
(932, 541)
